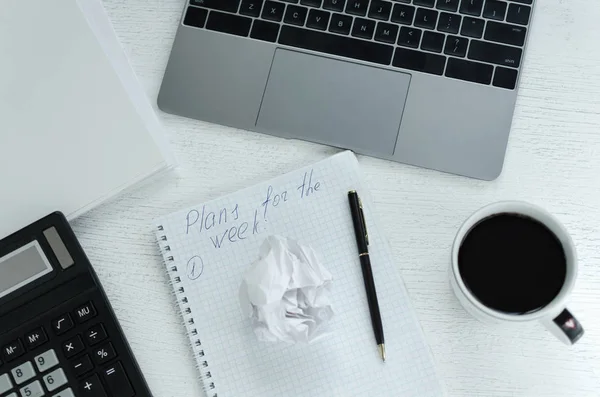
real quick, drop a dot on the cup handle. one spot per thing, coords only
(565, 327)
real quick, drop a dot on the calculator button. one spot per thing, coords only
(13, 350)
(23, 373)
(117, 381)
(72, 346)
(62, 324)
(12, 395)
(65, 393)
(104, 353)
(35, 338)
(96, 334)
(55, 379)
(46, 360)
(5, 383)
(85, 312)
(91, 387)
(32, 390)
(82, 365)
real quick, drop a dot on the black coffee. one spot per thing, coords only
(512, 263)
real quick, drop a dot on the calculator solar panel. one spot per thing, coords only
(59, 336)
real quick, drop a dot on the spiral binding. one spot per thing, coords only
(186, 313)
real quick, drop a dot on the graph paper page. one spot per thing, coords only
(212, 244)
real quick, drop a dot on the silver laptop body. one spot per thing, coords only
(360, 80)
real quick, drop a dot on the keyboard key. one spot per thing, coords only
(447, 5)
(82, 365)
(46, 360)
(65, 393)
(251, 8)
(409, 37)
(36, 338)
(471, 7)
(291, 1)
(503, 33)
(495, 53)
(318, 19)
(5, 383)
(426, 18)
(336, 45)
(518, 14)
(91, 387)
(456, 46)
(523, 1)
(432, 41)
(334, 5)
(469, 71)
(426, 3)
(363, 28)
(86, 312)
(23, 373)
(104, 354)
(32, 390)
(403, 14)
(340, 24)
(295, 15)
(449, 23)
(266, 31)
(357, 7)
(55, 379)
(117, 381)
(311, 3)
(72, 346)
(472, 27)
(495, 10)
(222, 5)
(505, 78)
(228, 23)
(64, 322)
(13, 350)
(380, 10)
(95, 334)
(386, 32)
(419, 61)
(273, 11)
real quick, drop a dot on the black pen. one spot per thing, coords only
(362, 240)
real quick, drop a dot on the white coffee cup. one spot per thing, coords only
(556, 318)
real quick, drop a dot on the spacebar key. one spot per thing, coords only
(336, 45)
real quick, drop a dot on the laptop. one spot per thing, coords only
(432, 83)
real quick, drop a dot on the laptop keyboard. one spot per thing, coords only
(479, 41)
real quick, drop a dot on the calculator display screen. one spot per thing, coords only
(21, 267)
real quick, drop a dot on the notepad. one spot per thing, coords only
(208, 247)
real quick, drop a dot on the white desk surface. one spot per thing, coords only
(553, 159)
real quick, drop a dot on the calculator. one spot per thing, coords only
(59, 336)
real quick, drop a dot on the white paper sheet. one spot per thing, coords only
(285, 293)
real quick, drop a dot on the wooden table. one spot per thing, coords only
(553, 160)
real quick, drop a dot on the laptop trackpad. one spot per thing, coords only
(334, 102)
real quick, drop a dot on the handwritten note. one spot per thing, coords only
(242, 222)
(212, 245)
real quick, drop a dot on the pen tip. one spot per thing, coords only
(382, 351)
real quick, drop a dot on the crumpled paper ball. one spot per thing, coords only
(285, 293)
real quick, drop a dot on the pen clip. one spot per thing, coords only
(362, 218)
